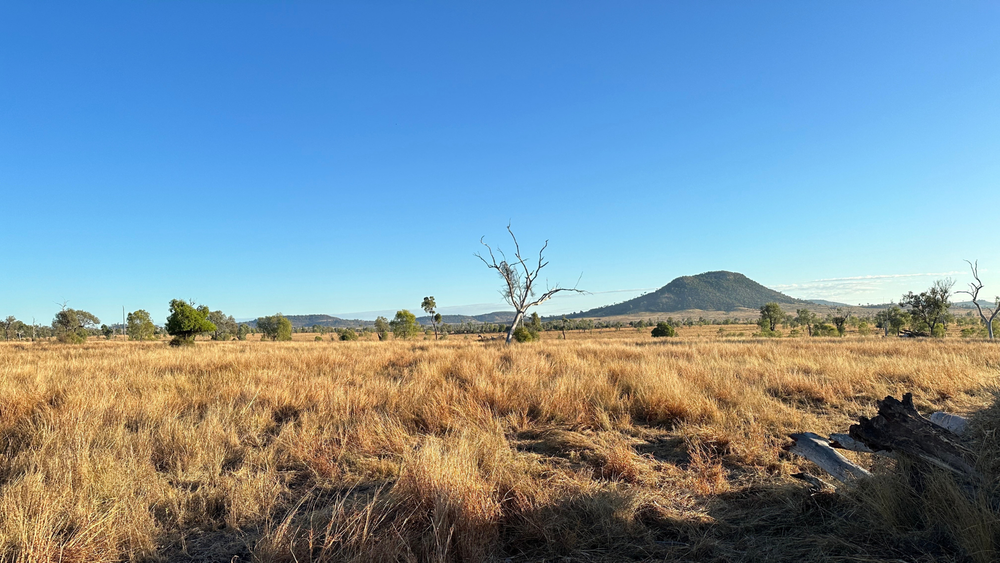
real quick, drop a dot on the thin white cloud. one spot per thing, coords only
(854, 288)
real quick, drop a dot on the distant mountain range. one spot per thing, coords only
(300, 321)
(498, 317)
(711, 291)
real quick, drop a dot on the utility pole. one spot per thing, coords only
(125, 338)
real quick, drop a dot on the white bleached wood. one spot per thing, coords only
(817, 449)
(953, 422)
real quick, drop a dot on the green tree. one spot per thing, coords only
(139, 326)
(186, 322)
(428, 305)
(7, 326)
(242, 331)
(663, 329)
(536, 322)
(225, 326)
(404, 325)
(891, 320)
(15, 328)
(839, 319)
(275, 327)
(805, 317)
(770, 315)
(348, 334)
(381, 327)
(71, 325)
(929, 309)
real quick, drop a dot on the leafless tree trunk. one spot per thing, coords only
(974, 292)
(519, 280)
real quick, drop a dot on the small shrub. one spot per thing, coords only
(524, 334)
(825, 329)
(348, 334)
(766, 332)
(971, 332)
(663, 330)
(318, 338)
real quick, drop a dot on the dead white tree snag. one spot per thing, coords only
(974, 293)
(519, 280)
(817, 449)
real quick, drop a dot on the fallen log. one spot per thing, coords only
(817, 449)
(845, 442)
(898, 427)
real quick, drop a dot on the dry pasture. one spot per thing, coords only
(590, 449)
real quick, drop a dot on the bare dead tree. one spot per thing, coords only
(974, 292)
(520, 280)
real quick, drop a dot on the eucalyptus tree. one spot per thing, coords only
(139, 326)
(930, 308)
(186, 322)
(404, 325)
(72, 325)
(428, 305)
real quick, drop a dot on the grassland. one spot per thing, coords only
(592, 449)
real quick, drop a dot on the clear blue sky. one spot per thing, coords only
(334, 158)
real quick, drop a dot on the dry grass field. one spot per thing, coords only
(590, 449)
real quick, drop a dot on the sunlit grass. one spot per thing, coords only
(452, 450)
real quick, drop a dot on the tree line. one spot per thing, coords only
(924, 314)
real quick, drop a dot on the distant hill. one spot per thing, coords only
(711, 291)
(299, 321)
(826, 303)
(497, 317)
(970, 305)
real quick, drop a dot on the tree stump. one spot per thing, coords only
(900, 428)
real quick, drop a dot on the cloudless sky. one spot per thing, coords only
(347, 157)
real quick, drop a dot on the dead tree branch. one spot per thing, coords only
(973, 291)
(519, 280)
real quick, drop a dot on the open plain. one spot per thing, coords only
(615, 447)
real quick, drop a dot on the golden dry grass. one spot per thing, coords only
(594, 449)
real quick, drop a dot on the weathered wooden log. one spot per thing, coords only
(817, 449)
(900, 428)
(845, 442)
(948, 421)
